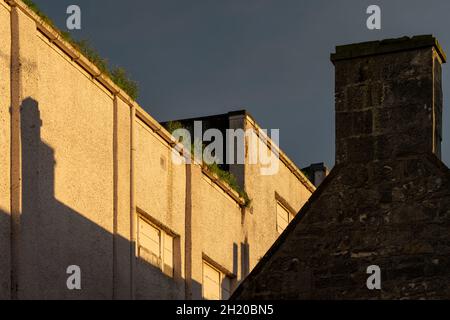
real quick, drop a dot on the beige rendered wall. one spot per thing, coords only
(160, 195)
(215, 221)
(67, 158)
(25, 126)
(5, 104)
(217, 229)
(220, 224)
(261, 223)
(122, 197)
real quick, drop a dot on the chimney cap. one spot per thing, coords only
(363, 49)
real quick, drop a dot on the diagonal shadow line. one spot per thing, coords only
(53, 236)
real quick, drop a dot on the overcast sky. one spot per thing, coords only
(271, 57)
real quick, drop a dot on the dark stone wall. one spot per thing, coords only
(394, 214)
(387, 201)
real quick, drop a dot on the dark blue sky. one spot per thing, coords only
(271, 57)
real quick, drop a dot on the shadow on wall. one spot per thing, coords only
(4, 256)
(53, 236)
(245, 260)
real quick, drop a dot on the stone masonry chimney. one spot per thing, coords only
(386, 204)
(388, 99)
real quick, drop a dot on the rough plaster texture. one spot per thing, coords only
(122, 205)
(24, 128)
(386, 202)
(5, 104)
(258, 226)
(215, 222)
(159, 179)
(67, 189)
(261, 224)
(221, 223)
(160, 193)
(220, 227)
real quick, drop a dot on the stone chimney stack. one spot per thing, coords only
(388, 99)
(386, 203)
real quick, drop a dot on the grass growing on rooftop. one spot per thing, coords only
(118, 75)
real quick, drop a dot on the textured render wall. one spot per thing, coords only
(261, 223)
(122, 205)
(67, 192)
(160, 184)
(25, 131)
(221, 227)
(161, 194)
(216, 230)
(5, 104)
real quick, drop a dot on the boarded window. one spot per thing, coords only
(211, 283)
(216, 284)
(168, 255)
(283, 218)
(155, 246)
(149, 243)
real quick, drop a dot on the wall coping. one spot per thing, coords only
(56, 38)
(158, 129)
(364, 49)
(223, 185)
(283, 157)
(263, 136)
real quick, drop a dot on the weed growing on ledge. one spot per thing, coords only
(214, 168)
(30, 4)
(118, 75)
(86, 49)
(230, 179)
(171, 126)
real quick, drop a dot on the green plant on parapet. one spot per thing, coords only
(121, 78)
(118, 75)
(86, 49)
(197, 147)
(172, 126)
(230, 179)
(33, 6)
